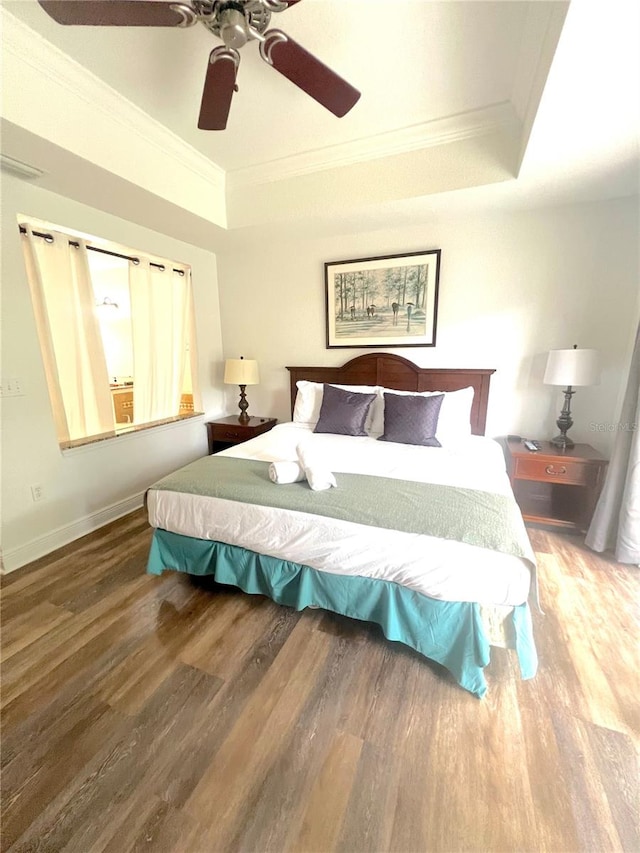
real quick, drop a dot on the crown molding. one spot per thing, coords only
(46, 59)
(494, 118)
(23, 45)
(541, 35)
(19, 168)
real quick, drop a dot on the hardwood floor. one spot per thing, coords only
(163, 714)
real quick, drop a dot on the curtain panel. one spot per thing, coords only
(160, 303)
(616, 521)
(70, 338)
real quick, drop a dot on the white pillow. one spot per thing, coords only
(454, 420)
(309, 401)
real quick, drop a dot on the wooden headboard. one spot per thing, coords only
(393, 371)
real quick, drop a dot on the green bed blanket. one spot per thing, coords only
(479, 518)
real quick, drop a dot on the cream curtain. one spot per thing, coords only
(616, 521)
(160, 302)
(73, 354)
(192, 360)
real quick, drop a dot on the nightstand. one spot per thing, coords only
(554, 486)
(226, 432)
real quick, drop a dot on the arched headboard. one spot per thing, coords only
(396, 372)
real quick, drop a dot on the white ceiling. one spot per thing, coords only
(420, 66)
(413, 60)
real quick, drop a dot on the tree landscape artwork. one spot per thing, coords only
(386, 301)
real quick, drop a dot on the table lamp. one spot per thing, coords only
(241, 371)
(570, 367)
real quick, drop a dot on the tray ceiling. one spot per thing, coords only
(450, 94)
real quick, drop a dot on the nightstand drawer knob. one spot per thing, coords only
(556, 471)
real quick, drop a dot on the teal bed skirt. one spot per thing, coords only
(450, 633)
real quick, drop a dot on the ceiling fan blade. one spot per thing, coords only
(308, 73)
(219, 86)
(119, 13)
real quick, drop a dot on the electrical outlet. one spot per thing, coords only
(11, 388)
(37, 492)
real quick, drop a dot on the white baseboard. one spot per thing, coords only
(23, 554)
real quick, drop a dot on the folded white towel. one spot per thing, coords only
(286, 472)
(317, 473)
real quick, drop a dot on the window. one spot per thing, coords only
(117, 333)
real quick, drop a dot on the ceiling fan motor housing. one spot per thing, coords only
(234, 31)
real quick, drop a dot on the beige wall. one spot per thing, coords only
(85, 487)
(512, 287)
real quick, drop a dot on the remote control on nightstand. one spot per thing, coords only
(532, 445)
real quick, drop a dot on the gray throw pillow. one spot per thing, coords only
(411, 420)
(343, 412)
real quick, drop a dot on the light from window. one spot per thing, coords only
(117, 333)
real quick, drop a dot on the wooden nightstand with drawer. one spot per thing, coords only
(226, 432)
(556, 487)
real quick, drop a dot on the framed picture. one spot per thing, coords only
(390, 301)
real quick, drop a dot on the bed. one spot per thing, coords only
(422, 534)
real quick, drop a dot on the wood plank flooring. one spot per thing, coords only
(174, 716)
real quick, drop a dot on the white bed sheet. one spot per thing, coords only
(440, 568)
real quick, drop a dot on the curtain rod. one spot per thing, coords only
(49, 239)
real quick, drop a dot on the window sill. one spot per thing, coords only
(128, 431)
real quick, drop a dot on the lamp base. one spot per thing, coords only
(563, 442)
(564, 422)
(243, 405)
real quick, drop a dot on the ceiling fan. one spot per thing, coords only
(235, 22)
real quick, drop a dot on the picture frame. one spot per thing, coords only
(386, 301)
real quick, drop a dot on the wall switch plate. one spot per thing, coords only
(37, 492)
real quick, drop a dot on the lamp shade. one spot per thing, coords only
(241, 371)
(572, 367)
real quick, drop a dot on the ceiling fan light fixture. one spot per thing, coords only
(234, 30)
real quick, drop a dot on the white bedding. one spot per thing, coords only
(443, 569)
(439, 568)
